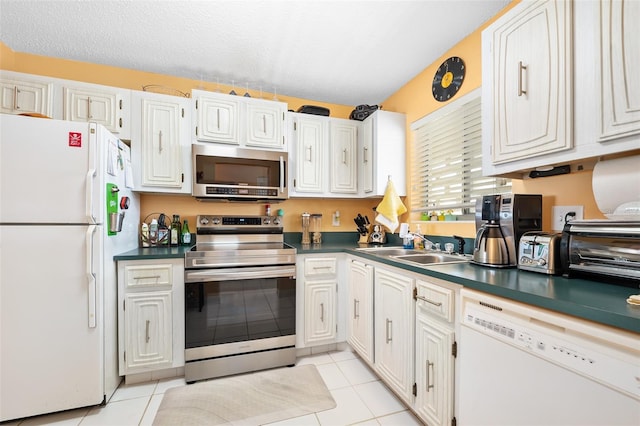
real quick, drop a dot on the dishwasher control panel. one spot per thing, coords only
(566, 342)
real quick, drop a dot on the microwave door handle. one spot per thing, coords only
(281, 174)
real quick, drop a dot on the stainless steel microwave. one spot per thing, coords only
(236, 174)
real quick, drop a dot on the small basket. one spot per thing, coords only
(162, 239)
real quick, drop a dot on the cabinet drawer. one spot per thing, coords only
(155, 275)
(434, 299)
(320, 266)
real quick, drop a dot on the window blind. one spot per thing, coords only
(446, 169)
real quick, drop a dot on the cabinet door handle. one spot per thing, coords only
(15, 97)
(146, 339)
(521, 67)
(218, 118)
(344, 156)
(155, 277)
(309, 153)
(429, 301)
(322, 312)
(429, 374)
(365, 154)
(89, 108)
(264, 124)
(160, 142)
(389, 337)
(316, 268)
(356, 309)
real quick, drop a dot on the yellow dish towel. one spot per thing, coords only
(390, 208)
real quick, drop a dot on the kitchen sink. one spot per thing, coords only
(431, 258)
(389, 251)
(414, 256)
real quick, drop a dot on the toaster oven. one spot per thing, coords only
(604, 250)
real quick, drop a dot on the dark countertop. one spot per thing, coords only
(592, 300)
(153, 253)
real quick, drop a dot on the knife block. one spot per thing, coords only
(364, 239)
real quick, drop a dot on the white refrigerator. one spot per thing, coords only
(58, 290)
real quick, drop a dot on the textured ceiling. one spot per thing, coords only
(345, 52)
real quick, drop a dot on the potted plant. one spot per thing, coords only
(449, 215)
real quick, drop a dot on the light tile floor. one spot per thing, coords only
(361, 399)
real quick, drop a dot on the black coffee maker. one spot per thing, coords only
(500, 222)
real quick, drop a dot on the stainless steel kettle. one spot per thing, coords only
(491, 247)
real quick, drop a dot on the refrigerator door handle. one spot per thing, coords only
(91, 277)
(89, 196)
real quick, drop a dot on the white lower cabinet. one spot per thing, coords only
(320, 311)
(147, 319)
(150, 315)
(403, 325)
(435, 354)
(317, 294)
(393, 328)
(360, 309)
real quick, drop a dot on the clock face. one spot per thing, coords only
(448, 79)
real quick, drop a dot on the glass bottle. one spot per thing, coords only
(153, 233)
(186, 234)
(175, 230)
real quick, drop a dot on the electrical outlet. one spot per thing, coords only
(559, 213)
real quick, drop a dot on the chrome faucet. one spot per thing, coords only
(428, 245)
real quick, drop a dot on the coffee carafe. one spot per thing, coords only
(500, 222)
(493, 246)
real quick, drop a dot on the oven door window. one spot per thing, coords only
(219, 312)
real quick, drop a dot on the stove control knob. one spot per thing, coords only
(204, 220)
(276, 221)
(266, 221)
(216, 221)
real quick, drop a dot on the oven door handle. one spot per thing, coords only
(234, 274)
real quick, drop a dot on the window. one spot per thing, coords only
(446, 168)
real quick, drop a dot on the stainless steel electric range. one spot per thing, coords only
(240, 297)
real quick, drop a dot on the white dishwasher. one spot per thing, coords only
(520, 365)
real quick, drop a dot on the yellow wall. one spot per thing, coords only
(414, 99)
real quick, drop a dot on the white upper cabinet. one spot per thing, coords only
(217, 117)
(310, 137)
(324, 156)
(22, 93)
(600, 117)
(382, 153)
(265, 123)
(94, 103)
(527, 81)
(343, 149)
(239, 120)
(619, 54)
(161, 143)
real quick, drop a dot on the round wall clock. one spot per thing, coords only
(448, 79)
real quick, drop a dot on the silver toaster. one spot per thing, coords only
(540, 252)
